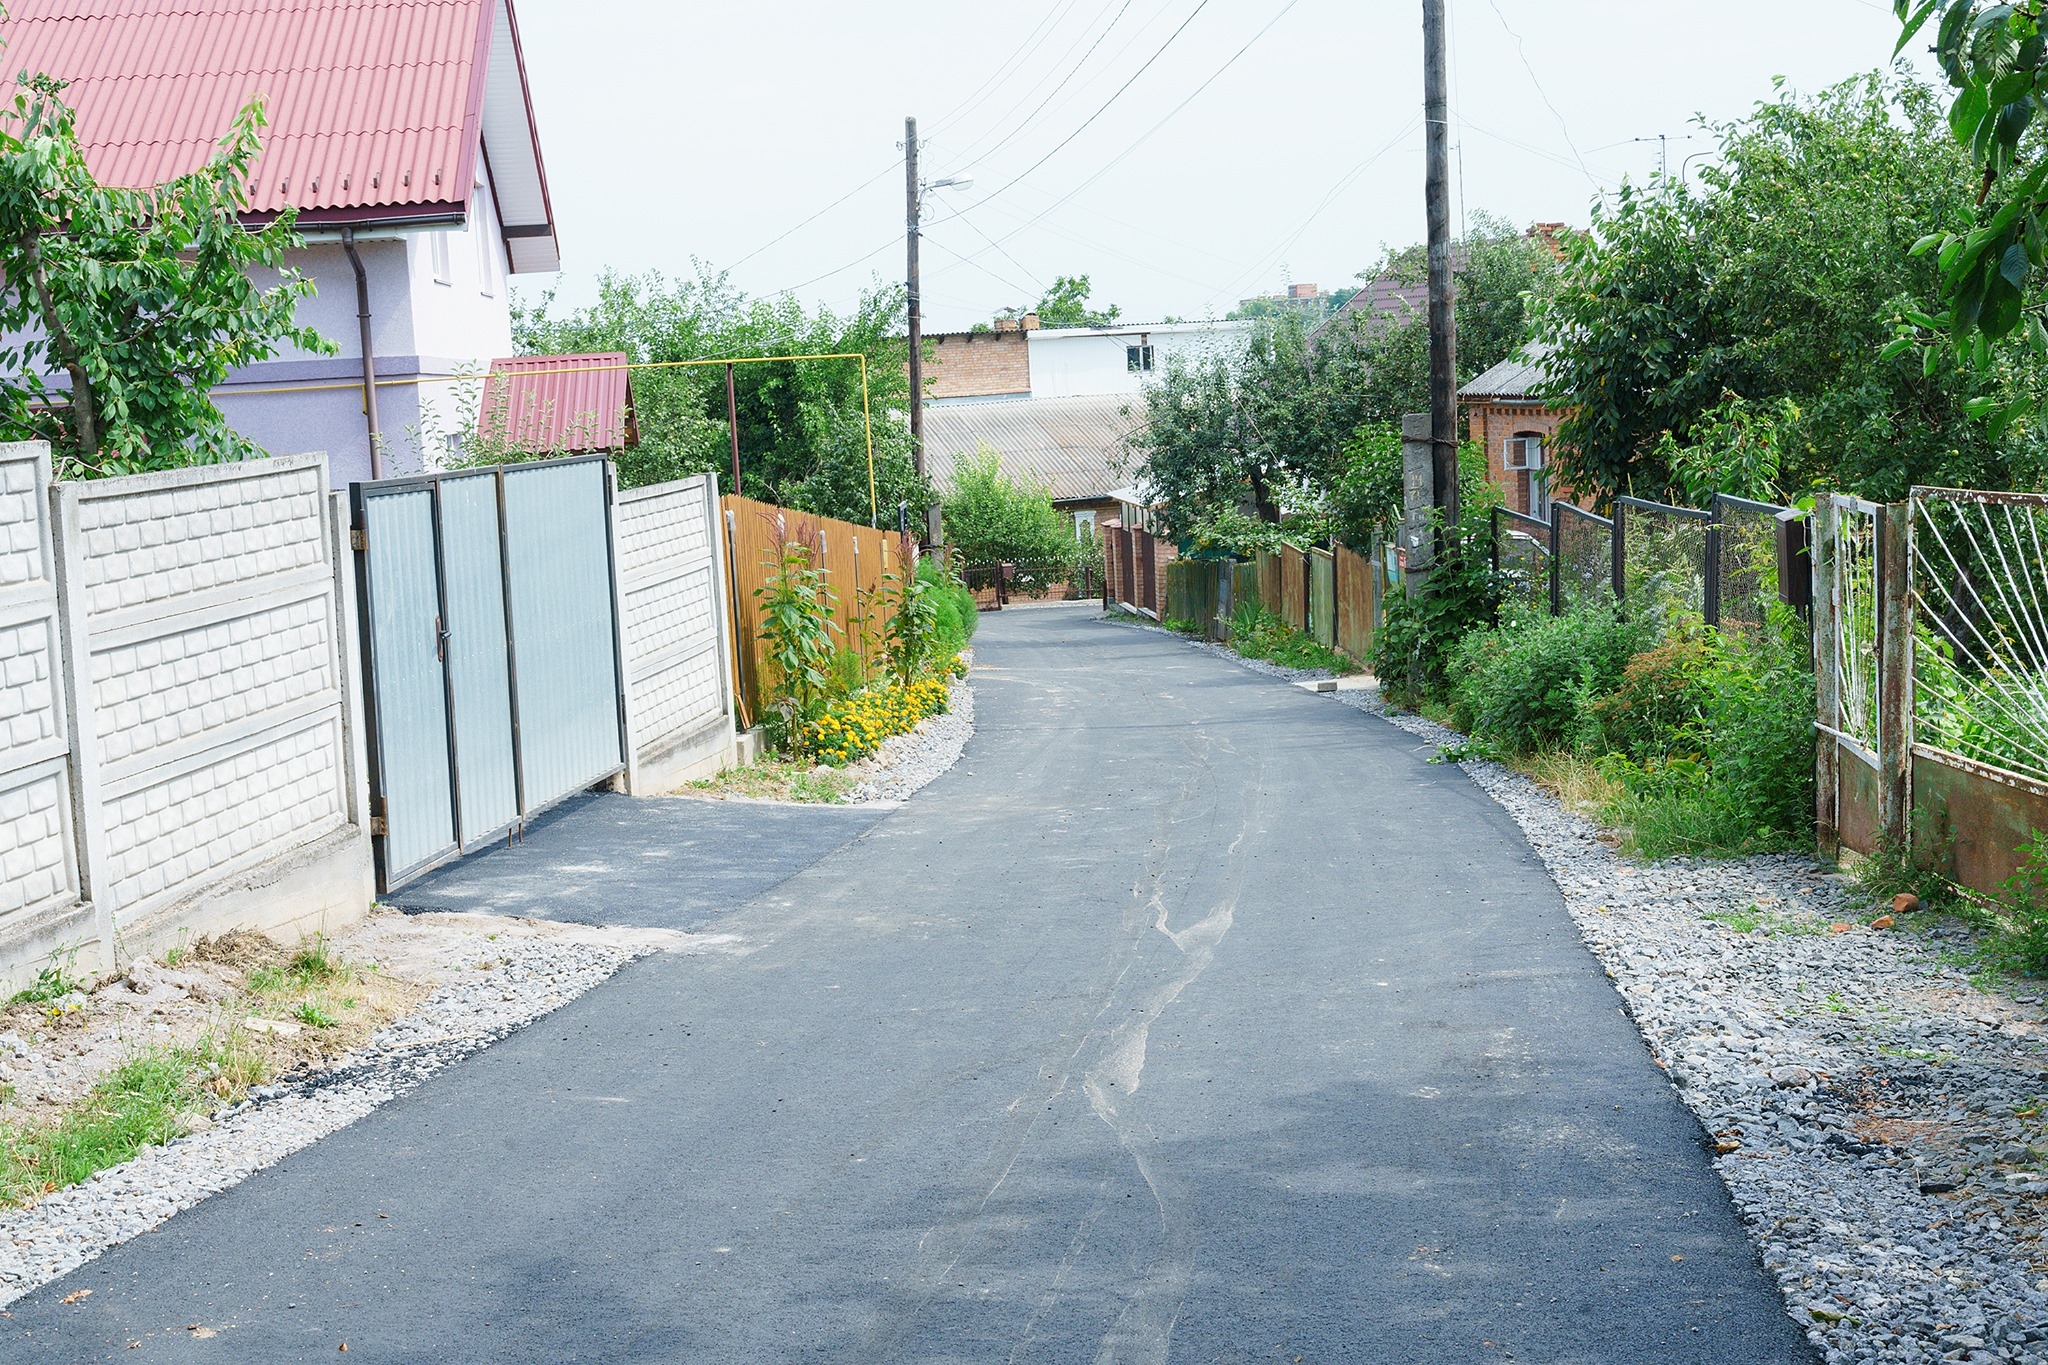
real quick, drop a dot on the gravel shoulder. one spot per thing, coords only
(1876, 1115)
(469, 980)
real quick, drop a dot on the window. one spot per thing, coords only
(1084, 524)
(437, 244)
(486, 257)
(1138, 359)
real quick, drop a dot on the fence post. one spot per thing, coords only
(1493, 539)
(1712, 605)
(1894, 677)
(1617, 555)
(1827, 684)
(1556, 548)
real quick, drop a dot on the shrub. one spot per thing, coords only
(796, 623)
(1529, 683)
(853, 727)
(1658, 707)
(1414, 645)
(956, 614)
(2023, 938)
(1256, 633)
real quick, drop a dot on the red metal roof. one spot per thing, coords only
(375, 107)
(559, 404)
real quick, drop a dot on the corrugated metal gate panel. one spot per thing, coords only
(409, 704)
(558, 543)
(479, 675)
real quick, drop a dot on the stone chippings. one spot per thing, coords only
(1875, 1116)
(72, 1226)
(907, 762)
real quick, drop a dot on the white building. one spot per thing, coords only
(1072, 362)
(402, 133)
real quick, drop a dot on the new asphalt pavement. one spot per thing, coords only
(1190, 1018)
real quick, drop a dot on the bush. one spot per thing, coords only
(1658, 707)
(957, 616)
(2023, 938)
(1256, 633)
(853, 727)
(1529, 684)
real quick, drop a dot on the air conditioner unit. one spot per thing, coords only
(1522, 453)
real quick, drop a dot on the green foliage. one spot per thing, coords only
(914, 629)
(1778, 279)
(143, 300)
(1529, 683)
(53, 982)
(796, 607)
(1227, 531)
(803, 438)
(954, 614)
(1737, 447)
(1658, 705)
(139, 1103)
(1065, 304)
(990, 517)
(2022, 941)
(1256, 633)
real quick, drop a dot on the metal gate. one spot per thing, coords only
(491, 646)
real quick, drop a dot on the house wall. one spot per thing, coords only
(189, 759)
(1491, 424)
(1073, 361)
(978, 365)
(427, 326)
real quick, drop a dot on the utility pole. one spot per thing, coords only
(911, 212)
(1443, 323)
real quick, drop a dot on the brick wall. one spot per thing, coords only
(975, 364)
(1491, 425)
(175, 724)
(672, 613)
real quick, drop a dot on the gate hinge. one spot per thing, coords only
(358, 539)
(379, 826)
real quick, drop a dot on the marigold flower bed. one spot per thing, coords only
(855, 726)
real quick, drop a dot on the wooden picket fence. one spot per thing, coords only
(856, 560)
(1333, 595)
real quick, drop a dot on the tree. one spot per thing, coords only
(140, 298)
(803, 432)
(992, 518)
(1065, 304)
(1200, 445)
(1779, 279)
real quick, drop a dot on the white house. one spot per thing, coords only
(401, 131)
(1071, 362)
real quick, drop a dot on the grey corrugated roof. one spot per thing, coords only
(1519, 376)
(1074, 446)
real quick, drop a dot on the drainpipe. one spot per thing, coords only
(348, 244)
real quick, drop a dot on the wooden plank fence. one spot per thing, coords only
(855, 560)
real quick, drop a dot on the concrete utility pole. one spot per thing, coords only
(912, 208)
(1443, 324)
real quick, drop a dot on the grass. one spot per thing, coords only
(780, 779)
(1262, 635)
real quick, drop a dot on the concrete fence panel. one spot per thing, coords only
(206, 642)
(673, 616)
(42, 892)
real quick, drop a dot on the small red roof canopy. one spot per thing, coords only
(559, 404)
(377, 108)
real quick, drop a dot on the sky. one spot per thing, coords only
(1183, 154)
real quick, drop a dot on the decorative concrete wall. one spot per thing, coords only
(185, 736)
(669, 558)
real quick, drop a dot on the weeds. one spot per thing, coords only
(53, 982)
(138, 1104)
(1256, 633)
(781, 779)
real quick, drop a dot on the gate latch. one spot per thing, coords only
(358, 539)
(379, 826)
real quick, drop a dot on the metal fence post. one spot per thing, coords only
(1617, 567)
(1711, 606)
(1556, 550)
(1894, 678)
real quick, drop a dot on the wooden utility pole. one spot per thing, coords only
(1443, 323)
(911, 213)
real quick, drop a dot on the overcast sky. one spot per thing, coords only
(675, 131)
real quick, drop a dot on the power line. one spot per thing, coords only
(1521, 51)
(969, 151)
(989, 86)
(876, 251)
(816, 216)
(969, 260)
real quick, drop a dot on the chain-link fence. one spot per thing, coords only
(1745, 563)
(1980, 658)
(1584, 560)
(1521, 558)
(1664, 556)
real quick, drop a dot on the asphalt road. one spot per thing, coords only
(1190, 1018)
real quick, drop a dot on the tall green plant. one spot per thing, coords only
(913, 632)
(142, 299)
(796, 622)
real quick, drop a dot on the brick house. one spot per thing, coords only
(993, 364)
(1516, 429)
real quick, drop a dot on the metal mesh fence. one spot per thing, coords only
(1746, 563)
(1585, 555)
(1521, 556)
(1664, 555)
(1979, 580)
(1852, 583)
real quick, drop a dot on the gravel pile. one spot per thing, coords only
(70, 1227)
(907, 762)
(1876, 1116)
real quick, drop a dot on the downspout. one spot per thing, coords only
(348, 244)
